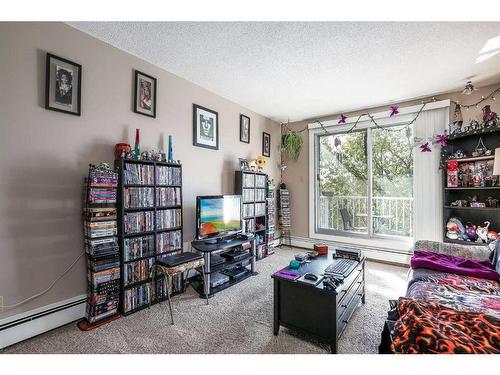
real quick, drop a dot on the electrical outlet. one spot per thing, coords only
(1, 304)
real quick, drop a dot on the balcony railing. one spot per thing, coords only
(391, 216)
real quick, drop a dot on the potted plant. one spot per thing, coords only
(292, 144)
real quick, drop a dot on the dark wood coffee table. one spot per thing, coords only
(316, 311)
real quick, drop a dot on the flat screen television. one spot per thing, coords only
(218, 216)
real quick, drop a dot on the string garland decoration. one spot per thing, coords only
(423, 143)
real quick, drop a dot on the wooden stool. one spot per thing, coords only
(172, 265)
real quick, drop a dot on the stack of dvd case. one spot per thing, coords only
(271, 213)
(101, 243)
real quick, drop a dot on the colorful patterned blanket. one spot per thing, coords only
(426, 327)
(459, 292)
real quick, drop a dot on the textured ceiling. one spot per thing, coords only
(305, 70)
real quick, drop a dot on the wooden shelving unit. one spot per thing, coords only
(149, 226)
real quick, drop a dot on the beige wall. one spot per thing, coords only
(296, 175)
(45, 154)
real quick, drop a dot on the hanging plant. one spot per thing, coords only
(292, 144)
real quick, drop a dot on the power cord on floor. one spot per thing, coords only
(46, 290)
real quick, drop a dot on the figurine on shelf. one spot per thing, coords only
(482, 232)
(491, 202)
(452, 173)
(470, 231)
(492, 235)
(456, 127)
(121, 149)
(252, 165)
(260, 161)
(490, 118)
(455, 229)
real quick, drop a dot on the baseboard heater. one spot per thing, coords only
(27, 325)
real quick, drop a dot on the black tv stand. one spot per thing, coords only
(207, 248)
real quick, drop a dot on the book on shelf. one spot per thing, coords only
(95, 195)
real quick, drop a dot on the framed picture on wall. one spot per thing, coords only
(63, 81)
(145, 91)
(266, 144)
(244, 129)
(205, 127)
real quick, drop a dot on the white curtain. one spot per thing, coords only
(428, 178)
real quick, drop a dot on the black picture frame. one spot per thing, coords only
(242, 133)
(138, 108)
(54, 100)
(266, 144)
(244, 164)
(198, 140)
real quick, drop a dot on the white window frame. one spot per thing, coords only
(405, 115)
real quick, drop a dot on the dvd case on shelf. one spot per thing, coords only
(138, 197)
(168, 196)
(168, 175)
(137, 271)
(167, 242)
(138, 174)
(101, 243)
(169, 218)
(137, 222)
(151, 221)
(138, 247)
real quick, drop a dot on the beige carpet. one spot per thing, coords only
(238, 320)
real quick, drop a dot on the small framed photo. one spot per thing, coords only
(145, 90)
(243, 164)
(63, 85)
(266, 144)
(244, 128)
(205, 127)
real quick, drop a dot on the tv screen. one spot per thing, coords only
(218, 215)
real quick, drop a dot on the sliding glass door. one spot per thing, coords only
(364, 183)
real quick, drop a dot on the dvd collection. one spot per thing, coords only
(248, 195)
(271, 212)
(260, 181)
(137, 271)
(138, 197)
(101, 243)
(248, 210)
(166, 219)
(96, 229)
(168, 175)
(138, 174)
(260, 209)
(167, 242)
(248, 180)
(136, 222)
(99, 214)
(138, 247)
(100, 195)
(168, 196)
(139, 295)
(260, 195)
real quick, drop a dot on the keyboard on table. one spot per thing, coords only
(341, 266)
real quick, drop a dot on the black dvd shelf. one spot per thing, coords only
(101, 245)
(163, 222)
(257, 209)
